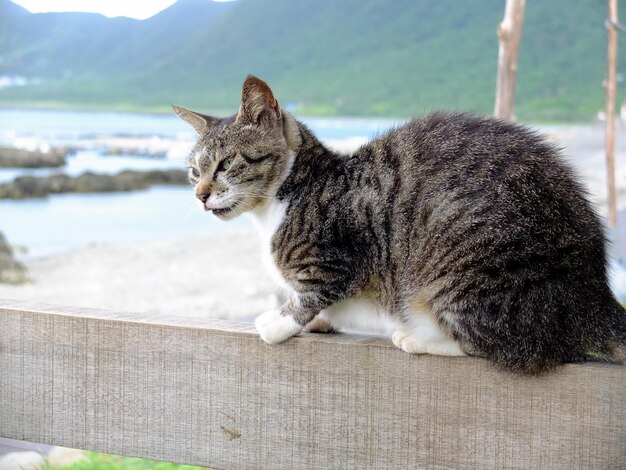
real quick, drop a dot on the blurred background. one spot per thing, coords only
(94, 204)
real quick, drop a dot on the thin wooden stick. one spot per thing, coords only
(611, 85)
(510, 36)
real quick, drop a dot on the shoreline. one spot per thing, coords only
(166, 110)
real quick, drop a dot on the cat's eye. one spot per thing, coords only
(260, 159)
(194, 173)
(225, 164)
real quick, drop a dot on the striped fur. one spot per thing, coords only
(465, 235)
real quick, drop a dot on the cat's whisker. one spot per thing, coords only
(247, 205)
(263, 196)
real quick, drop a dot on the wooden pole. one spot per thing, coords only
(509, 36)
(611, 86)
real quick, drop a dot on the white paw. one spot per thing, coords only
(407, 342)
(275, 328)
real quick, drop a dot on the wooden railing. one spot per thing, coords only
(211, 393)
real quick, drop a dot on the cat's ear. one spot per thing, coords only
(200, 122)
(258, 105)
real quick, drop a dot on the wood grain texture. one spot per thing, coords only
(213, 394)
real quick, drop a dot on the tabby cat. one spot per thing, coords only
(454, 234)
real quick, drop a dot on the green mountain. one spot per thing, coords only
(348, 57)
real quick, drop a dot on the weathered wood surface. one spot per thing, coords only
(213, 394)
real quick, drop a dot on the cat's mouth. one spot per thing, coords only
(223, 212)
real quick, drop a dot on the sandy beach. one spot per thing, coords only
(217, 276)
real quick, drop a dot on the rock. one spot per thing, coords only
(11, 157)
(11, 271)
(22, 461)
(37, 187)
(4, 245)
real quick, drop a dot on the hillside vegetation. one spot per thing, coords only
(348, 57)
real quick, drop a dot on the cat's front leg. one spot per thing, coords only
(274, 327)
(314, 287)
(281, 324)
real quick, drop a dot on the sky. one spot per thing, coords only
(139, 9)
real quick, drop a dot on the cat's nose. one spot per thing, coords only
(203, 197)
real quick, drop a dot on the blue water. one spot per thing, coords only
(61, 223)
(65, 222)
(74, 125)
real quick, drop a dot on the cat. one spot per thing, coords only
(454, 234)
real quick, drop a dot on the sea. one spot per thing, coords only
(65, 222)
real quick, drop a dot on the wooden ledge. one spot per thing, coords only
(209, 392)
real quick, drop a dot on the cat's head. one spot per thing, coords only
(240, 162)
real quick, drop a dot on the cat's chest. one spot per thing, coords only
(267, 221)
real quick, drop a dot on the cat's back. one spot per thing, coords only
(442, 138)
(464, 157)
